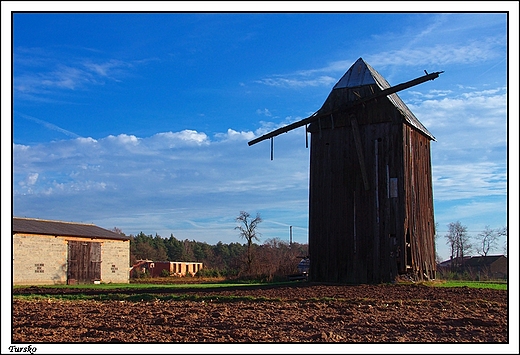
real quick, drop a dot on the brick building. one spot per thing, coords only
(54, 252)
(171, 268)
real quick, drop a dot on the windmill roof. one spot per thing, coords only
(69, 229)
(361, 74)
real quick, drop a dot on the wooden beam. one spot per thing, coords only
(283, 129)
(306, 137)
(348, 106)
(359, 150)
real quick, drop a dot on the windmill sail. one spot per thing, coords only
(349, 80)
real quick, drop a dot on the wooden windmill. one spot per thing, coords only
(370, 194)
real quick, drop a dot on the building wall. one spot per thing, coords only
(42, 260)
(39, 260)
(184, 268)
(115, 257)
(419, 215)
(500, 268)
(354, 231)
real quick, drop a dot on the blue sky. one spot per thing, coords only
(141, 120)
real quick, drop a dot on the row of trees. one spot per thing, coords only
(462, 244)
(276, 257)
(271, 259)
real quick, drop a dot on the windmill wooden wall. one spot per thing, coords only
(371, 204)
(370, 195)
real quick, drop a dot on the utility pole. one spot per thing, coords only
(290, 233)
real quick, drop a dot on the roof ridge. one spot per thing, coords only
(70, 229)
(54, 221)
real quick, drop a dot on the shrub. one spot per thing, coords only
(208, 273)
(138, 274)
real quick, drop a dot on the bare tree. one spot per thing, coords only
(117, 230)
(502, 232)
(247, 228)
(438, 258)
(486, 241)
(458, 240)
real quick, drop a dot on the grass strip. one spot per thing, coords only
(144, 297)
(472, 284)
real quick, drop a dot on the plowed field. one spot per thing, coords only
(301, 313)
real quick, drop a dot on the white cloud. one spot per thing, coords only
(469, 157)
(185, 138)
(418, 95)
(32, 76)
(106, 69)
(182, 173)
(32, 178)
(235, 136)
(29, 181)
(470, 180)
(474, 52)
(470, 122)
(410, 47)
(265, 112)
(87, 140)
(170, 179)
(123, 139)
(298, 82)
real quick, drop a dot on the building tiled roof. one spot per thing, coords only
(474, 260)
(483, 260)
(58, 228)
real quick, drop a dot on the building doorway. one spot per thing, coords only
(84, 262)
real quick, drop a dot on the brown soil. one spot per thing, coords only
(301, 313)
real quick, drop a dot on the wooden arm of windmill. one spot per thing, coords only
(315, 116)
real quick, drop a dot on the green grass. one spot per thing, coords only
(144, 286)
(138, 291)
(497, 285)
(145, 297)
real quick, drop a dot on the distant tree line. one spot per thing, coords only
(269, 260)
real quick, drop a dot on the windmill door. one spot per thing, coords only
(84, 262)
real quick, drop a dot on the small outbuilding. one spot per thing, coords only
(55, 252)
(488, 267)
